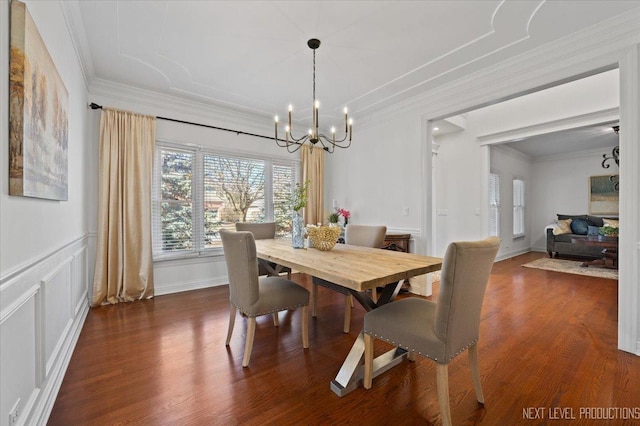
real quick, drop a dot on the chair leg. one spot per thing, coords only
(289, 274)
(475, 372)
(411, 356)
(276, 321)
(232, 321)
(347, 313)
(305, 327)
(248, 345)
(442, 380)
(368, 361)
(314, 298)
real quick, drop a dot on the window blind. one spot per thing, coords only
(198, 192)
(518, 208)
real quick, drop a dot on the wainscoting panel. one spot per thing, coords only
(79, 280)
(18, 351)
(56, 294)
(43, 304)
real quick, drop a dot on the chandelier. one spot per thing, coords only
(615, 156)
(313, 136)
(615, 152)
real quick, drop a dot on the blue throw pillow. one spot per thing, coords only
(593, 230)
(580, 226)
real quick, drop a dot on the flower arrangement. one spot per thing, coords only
(346, 214)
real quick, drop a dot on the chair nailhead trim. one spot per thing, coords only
(268, 312)
(418, 352)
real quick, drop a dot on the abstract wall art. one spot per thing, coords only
(603, 195)
(38, 123)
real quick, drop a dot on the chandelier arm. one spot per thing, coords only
(337, 142)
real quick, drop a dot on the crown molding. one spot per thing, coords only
(512, 152)
(600, 47)
(159, 104)
(78, 35)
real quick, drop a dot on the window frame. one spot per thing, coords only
(198, 196)
(519, 207)
(494, 207)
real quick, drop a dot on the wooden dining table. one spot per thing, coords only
(356, 269)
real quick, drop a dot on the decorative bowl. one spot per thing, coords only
(324, 237)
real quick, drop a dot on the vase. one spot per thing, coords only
(297, 230)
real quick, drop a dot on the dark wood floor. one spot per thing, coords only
(548, 341)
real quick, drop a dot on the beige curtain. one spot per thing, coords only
(124, 264)
(313, 169)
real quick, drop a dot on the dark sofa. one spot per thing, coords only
(562, 245)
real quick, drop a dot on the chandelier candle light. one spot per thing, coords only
(314, 136)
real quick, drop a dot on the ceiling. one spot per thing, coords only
(252, 56)
(589, 138)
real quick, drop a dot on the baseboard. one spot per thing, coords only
(161, 290)
(511, 254)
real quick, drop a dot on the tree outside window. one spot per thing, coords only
(201, 192)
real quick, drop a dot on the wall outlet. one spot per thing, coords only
(15, 413)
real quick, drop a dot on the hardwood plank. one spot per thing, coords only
(547, 340)
(355, 267)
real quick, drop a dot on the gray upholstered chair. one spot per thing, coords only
(357, 235)
(263, 231)
(254, 296)
(439, 331)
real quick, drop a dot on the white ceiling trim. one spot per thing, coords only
(576, 154)
(425, 81)
(154, 103)
(600, 46)
(582, 120)
(78, 35)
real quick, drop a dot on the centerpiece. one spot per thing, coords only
(324, 237)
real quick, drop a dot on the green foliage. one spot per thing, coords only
(608, 231)
(298, 197)
(334, 217)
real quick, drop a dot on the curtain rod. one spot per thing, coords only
(93, 105)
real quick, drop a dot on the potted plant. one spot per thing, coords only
(298, 200)
(333, 218)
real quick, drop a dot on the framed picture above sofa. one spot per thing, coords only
(603, 196)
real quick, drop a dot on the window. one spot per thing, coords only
(518, 208)
(197, 192)
(494, 204)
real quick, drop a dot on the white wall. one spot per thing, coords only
(458, 191)
(44, 249)
(510, 165)
(561, 186)
(594, 93)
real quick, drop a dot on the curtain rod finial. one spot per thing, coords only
(94, 105)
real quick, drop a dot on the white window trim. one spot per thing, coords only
(523, 208)
(198, 193)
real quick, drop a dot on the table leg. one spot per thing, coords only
(351, 372)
